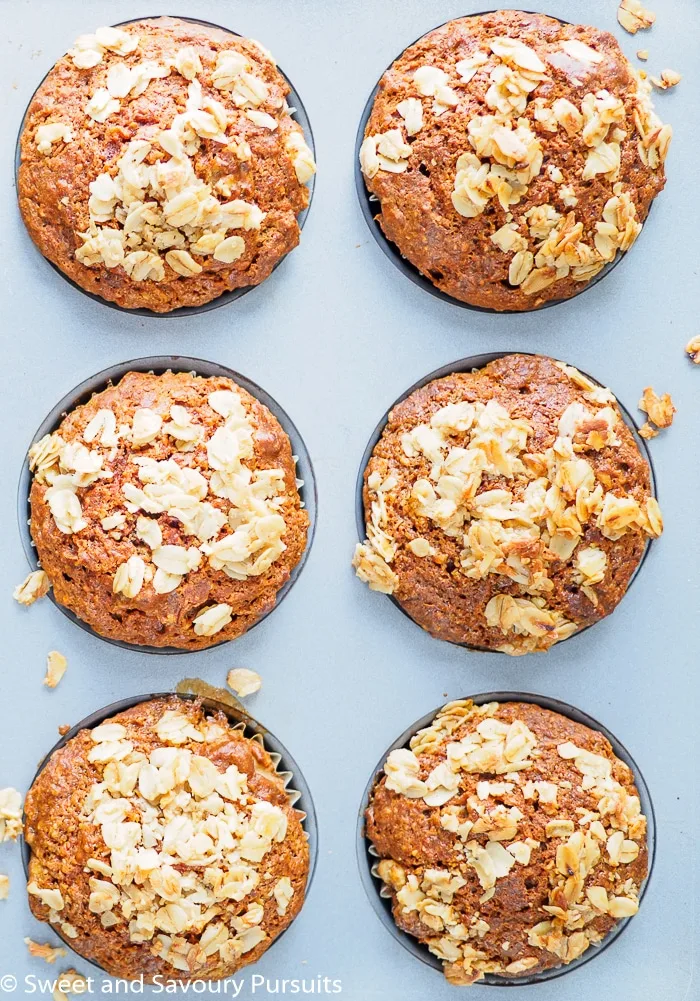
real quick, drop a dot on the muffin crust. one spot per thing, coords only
(162, 533)
(167, 172)
(506, 508)
(513, 156)
(152, 781)
(510, 838)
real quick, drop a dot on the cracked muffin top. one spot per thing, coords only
(510, 838)
(513, 157)
(166, 511)
(508, 507)
(161, 166)
(163, 842)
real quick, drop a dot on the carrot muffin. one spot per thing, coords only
(166, 511)
(164, 843)
(513, 157)
(506, 508)
(160, 165)
(510, 837)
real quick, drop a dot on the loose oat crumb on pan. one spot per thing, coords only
(243, 681)
(511, 839)
(668, 79)
(508, 507)
(166, 511)
(56, 665)
(161, 165)
(42, 950)
(660, 409)
(513, 157)
(10, 814)
(4, 886)
(187, 857)
(692, 349)
(70, 983)
(633, 16)
(34, 587)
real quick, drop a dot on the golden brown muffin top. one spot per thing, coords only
(161, 165)
(166, 510)
(507, 507)
(510, 837)
(513, 156)
(163, 842)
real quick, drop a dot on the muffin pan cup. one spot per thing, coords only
(300, 116)
(367, 856)
(286, 767)
(468, 365)
(370, 205)
(159, 364)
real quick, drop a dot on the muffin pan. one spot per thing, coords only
(468, 365)
(298, 792)
(299, 115)
(367, 856)
(342, 336)
(161, 363)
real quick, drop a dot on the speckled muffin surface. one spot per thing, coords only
(160, 165)
(506, 508)
(511, 839)
(513, 156)
(163, 843)
(166, 511)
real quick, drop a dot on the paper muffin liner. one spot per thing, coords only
(284, 766)
(370, 205)
(159, 364)
(300, 116)
(468, 365)
(379, 895)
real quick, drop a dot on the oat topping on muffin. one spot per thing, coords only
(506, 508)
(513, 157)
(511, 839)
(164, 842)
(166, 510)
(161, 151)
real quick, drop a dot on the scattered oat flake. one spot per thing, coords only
(692, 349)
(4, 886)
(243, 681)
(56, 665)
(34, 587)
(42, 950)
(70, 982)
(668, 79)
(643, 54)
(648, 431)
(660, 409)
(633, 16)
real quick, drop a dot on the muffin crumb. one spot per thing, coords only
(633, 16)
(42, 950)
(35, 586)
(243, 681)
(660, 409)
(56, 665)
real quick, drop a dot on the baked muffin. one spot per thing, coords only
(164, 843)
(160, 165)
(166, 511)
(513, 157)
(510, 837)
(506, 508)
